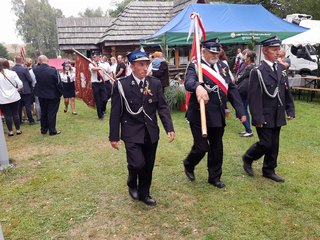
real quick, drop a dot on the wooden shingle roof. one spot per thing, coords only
(81, 33)
(138, 19)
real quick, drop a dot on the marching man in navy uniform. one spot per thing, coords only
(269, 100)
(216, 90)
(98, 85)
(135, 101)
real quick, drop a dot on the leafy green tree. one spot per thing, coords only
(120, 7)
(282, 8)
(37, 24)
(3, 51)
(92, 13)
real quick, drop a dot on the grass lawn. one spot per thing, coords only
(73, 186)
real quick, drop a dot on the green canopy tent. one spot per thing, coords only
(232, 23)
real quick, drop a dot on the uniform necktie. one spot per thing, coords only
(274, 66)
(98, 77)
(141, 86)
(68, 78)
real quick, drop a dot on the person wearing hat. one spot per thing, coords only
(269, 101)
(98, 84)
(135, 102)
(68, 76)
(215, 91)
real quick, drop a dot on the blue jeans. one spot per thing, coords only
(246, 124)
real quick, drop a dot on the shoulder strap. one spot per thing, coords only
(15, 86)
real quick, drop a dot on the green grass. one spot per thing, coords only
(73, 186)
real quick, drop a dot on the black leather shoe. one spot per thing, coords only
(133, 193)
(189, 174)
(247, 167)
(56, 133)
(44, 132)
(274, 177)
(217, 184)
(149, 201)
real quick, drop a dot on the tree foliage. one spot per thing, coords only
(92, 13)
(282, 8)
(3, 51)
(37, 25)
(120, 7)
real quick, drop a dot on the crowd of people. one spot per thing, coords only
(136, 85)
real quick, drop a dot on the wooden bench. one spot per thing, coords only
(311, 90)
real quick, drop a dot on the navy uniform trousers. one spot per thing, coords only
(213, 144)
(141, 158)
(100, 97)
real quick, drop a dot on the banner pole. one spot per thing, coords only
(200, 78)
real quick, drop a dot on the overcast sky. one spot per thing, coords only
(69, 8)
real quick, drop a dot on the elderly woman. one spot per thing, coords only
(10, 83)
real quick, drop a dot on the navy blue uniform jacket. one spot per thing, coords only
(48, 84)
(215, 110)
(24, 75)
(264, 109)
(131, 128)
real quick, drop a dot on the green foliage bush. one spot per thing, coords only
(175, 95)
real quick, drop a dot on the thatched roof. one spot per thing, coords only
(81, 33)
(137, 20)
(140, 19)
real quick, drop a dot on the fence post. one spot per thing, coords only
(1, 234)
(4, 158)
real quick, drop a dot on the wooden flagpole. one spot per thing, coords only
(200, 78)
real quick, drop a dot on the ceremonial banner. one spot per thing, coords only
(22, 53)
(198, 32)
(83, 82)
(197, 35)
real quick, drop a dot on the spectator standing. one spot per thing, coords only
(243, 88)
(9, 96)
(27, 90)
(113, 66)
(107, 76)
(28, 63)
(121, 67)
(160, 69)
(237, 60)
(48, 88)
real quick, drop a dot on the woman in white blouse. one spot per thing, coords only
(113, 66)
(10, 84)
(68, 76)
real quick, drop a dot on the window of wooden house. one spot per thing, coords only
(184, 55)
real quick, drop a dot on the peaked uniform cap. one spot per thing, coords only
(213, 45)
(271, 42)
(137, 55)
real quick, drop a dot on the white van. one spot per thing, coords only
(303, 59)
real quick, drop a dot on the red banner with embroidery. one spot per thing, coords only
(215, 77)
(83, 80)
